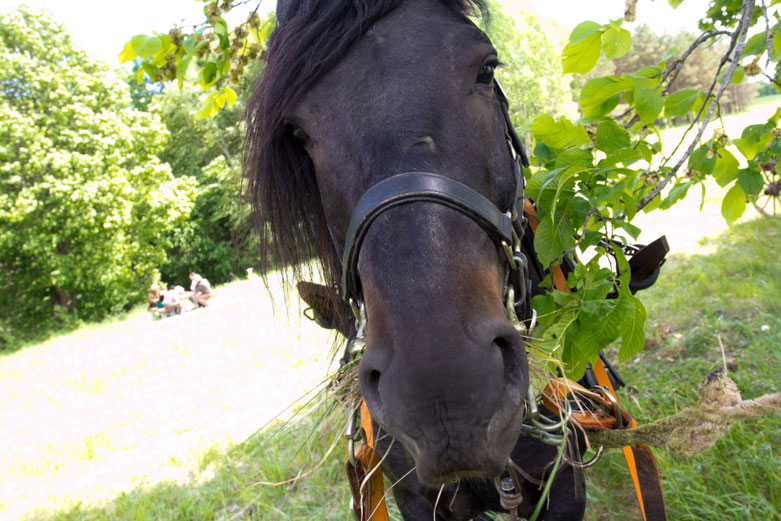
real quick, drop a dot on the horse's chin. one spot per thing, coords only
(434, 473)
(484, 454)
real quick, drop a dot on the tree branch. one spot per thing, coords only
(733, 56)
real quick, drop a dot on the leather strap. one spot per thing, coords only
(590, 410)
(412, 187)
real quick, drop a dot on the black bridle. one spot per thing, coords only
(505, 227)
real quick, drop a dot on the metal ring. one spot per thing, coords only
(585, 464)
(617, 412)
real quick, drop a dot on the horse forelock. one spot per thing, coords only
(310, 39)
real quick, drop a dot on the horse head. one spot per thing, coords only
(362, 102)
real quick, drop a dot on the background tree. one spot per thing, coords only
(215, 240)
(531, 69)
(85, 203)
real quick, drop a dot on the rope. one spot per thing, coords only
(695, 429)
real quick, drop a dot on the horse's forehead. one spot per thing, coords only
(400, 53)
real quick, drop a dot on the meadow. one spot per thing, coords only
(187, 418)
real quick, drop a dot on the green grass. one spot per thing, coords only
(773, 100)
(730, 293)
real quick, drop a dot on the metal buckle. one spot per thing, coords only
(508, 252)
(353, 432)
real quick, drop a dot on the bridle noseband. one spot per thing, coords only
(412, 187)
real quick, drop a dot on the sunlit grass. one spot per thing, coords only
(104, 409)
(726, 296)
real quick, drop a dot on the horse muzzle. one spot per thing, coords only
(456, 406)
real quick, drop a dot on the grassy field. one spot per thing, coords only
(133, 403)
(140, 419)
(729, 294)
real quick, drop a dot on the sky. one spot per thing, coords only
(101, 27)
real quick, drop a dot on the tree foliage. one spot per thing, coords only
(215, 240)
(592, 174)
(85, 204)
(531, 69)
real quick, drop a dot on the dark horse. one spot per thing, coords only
(356, 92)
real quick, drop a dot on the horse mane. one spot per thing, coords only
(310, 38)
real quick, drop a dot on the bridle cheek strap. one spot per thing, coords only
(413, 187)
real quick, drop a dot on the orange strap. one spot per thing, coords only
(368, 498)
(647, 483)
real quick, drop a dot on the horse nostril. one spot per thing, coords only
(511, 347)
(371, 386)
(374, 378)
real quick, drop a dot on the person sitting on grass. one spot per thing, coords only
(171, 301)
(153, 297)
(200, 289)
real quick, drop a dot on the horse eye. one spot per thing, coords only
(299, 135)
(486, 74)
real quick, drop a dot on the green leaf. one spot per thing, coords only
(755, 45)
(674, 3)
(599, 324)
(624, 155)
(145, 46)
(551, 240)
(616, 42)
(181, 67)
(545, 243)
(632, 328)
(669, 53)
(702, 160)
(611, 137)
(582, 56)
(652, 73)
(677, 193)
(542, 153)
(576, 157)
(680, 102)
(536, 183)
(630, 205)
(208, 75)
(221, 27)
(738, 75)
(751, 181)
(558, 134)
(230, 95)
(734, 204)
(601, 95)
(777, 43)
(590, 239)
(583, 30)
(127, 53)
(726, 168)
(631, 229)
(648, 104)
(747, 148)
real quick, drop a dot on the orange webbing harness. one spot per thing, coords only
(639, 459)
(365, 476)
